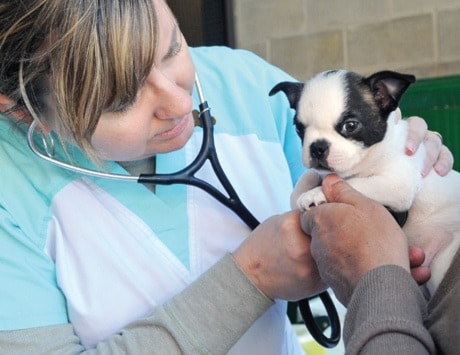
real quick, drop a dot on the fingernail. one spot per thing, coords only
(441, 169)
(410, 148)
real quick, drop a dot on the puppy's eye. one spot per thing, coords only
(349, 127)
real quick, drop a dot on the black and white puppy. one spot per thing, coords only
(351, 125)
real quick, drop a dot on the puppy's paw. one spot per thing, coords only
(311, 198)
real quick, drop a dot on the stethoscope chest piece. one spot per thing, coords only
(198, 121)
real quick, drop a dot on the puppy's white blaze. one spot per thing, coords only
(323, 100)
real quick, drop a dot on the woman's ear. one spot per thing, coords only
(6, 106)
(5, 103)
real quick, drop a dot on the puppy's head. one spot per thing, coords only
(340, 114)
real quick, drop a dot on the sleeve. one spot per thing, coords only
(444, 313)
(386, 314)
(29, 295)
(180, 326)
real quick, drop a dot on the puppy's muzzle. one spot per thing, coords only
(319, 151)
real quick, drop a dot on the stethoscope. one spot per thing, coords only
(187, 176)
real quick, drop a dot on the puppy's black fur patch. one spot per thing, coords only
(362, 120)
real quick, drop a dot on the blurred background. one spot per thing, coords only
(307, 36)
(303, 37)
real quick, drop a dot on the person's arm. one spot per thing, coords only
(384, 315)
(362, 254)
(207, 318)
(212, 313)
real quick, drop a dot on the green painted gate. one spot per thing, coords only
(437, 100)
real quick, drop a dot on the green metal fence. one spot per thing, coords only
(438, 102)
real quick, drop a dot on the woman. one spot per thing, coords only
(113, 266)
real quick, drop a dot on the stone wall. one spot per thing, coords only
(303, 37)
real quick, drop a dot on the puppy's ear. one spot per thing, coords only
(388, 88)
(293, 91)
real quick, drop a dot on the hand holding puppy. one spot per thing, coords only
(352, 235)
(276, 257)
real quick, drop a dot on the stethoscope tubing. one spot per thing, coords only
(76, 169)
(207, 153)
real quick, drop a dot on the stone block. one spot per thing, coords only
(303, 56)
(258, 20)
(406, 40)
(336, 14)
(449, 30)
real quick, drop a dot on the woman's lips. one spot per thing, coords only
(176, 130)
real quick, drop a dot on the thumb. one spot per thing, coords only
(338, 190)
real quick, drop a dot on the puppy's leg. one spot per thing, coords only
(313, 197)
(307, 181)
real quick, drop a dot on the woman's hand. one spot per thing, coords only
(351, 235)
(276, 257)
(438, 156)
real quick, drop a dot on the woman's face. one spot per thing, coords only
(160, 120)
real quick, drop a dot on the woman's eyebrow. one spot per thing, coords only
(175, 45)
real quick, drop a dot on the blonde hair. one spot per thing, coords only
(93, 55)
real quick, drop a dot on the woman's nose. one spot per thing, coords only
(173, 100)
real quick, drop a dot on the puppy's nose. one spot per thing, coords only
(319, 150)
